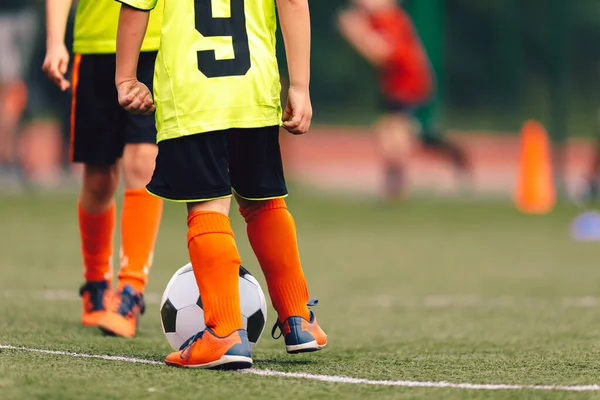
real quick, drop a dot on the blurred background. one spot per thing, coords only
(453, 284)
(497, 64)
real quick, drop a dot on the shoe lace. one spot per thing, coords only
(128, 302)
(96, 291)
(279, 325)
(186, 347)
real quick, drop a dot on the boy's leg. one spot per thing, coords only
(434, 139)
(96, 210)
(272, 234)
(140, 217)
(194, 169)
(94, 142)
(396, 137)
(140, 220)
(216, 262)
(257, 177)
(96, 215)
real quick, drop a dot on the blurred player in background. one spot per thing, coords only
(382, 32)
(17, 39)
(105, 139)
(218, 115)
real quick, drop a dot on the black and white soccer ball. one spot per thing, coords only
(181, 307)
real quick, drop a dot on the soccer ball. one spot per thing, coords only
(181, 307)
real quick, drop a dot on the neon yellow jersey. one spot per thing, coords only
(216, 67)
(96, 27)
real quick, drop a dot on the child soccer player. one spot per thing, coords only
(218, 114)
(383, 33)
(105, 138)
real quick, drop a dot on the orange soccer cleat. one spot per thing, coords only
(95, 297)
(300, 335)
(207, 350)
(121, 319)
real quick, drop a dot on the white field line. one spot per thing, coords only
(475, 301)
(332, 378)
(380, 301)
(81, 355)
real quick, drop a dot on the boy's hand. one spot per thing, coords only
(135, 97)
(297, 115)
(56, 64)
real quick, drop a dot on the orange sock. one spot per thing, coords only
(272, 234)
(139, 227)
(96, 231)
(216, 263)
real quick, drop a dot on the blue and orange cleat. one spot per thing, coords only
(208, 351)
(300, 335)
(121, 319)
(95, 297)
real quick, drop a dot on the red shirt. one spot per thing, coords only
(406, 75)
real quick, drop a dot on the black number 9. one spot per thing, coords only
(235, 26)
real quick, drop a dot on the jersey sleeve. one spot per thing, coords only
(144, 5)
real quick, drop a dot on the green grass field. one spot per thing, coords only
(433, 290)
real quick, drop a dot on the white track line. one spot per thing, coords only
(332, 378)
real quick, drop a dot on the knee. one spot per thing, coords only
(396, 134)
(220, 206)
(138, 164)
(100, 183)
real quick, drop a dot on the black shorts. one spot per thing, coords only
(208, 166)
(100, 128)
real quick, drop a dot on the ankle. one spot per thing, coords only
(136, 284)
(290, 300)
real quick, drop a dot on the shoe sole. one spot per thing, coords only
(92, 319)
(111, 332)
(225, 363)
(305, 347)
(89, 324)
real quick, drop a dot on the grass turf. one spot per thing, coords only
(429, 291)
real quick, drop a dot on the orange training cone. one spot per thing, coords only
(535, 192)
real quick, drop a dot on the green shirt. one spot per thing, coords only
(96, 27)
(216, 67)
